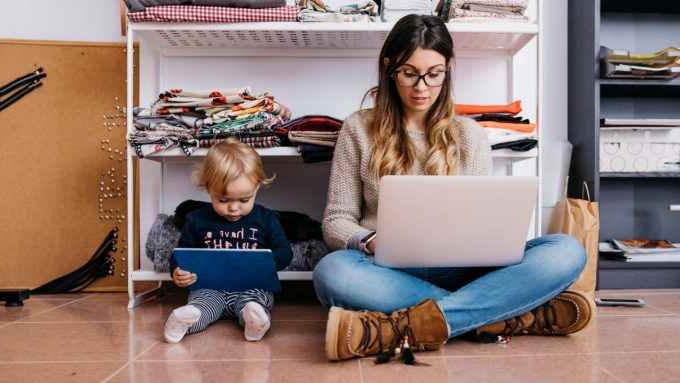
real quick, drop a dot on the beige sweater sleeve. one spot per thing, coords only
(345, 190)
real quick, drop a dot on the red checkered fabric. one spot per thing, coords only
(206, 14)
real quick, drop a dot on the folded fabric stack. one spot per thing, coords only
(210, 11)
(482, 10)
(337, 10)
(505, 129)
(393, 10)
(315, 136)
(661, 65)
(202, 119)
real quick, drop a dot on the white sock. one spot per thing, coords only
(256, 321)
(179, 322)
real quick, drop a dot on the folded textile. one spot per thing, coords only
(309, 16)
(193, 119)
(311, 129)
(146, 143)
(315, 153)
(337, 10)
(522, 145)
(500, 117)
(466, 13)
(205, 14)
(252, 140)
(140, 5)
(518, 127)
(306, 255)
(313, 137)
(513, 108)
(487, 9)
(497, 136)
(368, 7)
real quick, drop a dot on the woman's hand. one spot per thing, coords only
(371, 245)
(183, 278)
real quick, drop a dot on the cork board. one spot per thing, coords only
(62, 161)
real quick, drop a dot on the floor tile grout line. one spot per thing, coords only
(60, 361)
(224, 360)
(361, 371)
(108, 378)
(136, 357)
(118, 371)
(50, 310)
(515, 355)
(612, 375)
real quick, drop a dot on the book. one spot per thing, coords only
(609, 251)
(645, 246)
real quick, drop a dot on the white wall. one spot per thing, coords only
(99, 20)
(73, 20)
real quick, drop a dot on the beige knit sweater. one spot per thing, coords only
(352, 203)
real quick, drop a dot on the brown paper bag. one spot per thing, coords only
(580, 218)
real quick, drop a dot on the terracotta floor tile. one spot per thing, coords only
(31, 307)
(109, 308)
(296, 311)
(604, 334)
(490, 369)
(224, 341)
(659, 367)
(72, 372)
(75, 341)
(237, 372)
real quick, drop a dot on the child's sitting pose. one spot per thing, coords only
(232, 174)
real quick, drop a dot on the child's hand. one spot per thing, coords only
(183, 278)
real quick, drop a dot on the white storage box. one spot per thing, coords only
(639, 149)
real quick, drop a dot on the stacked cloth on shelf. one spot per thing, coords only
(660, 65)
(337, 10)
(314, 135)
(210, 11)
(505, 129)
(393, 10)
(303, 232)
(482, 10)
(189, 120)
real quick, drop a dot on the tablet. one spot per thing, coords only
(230, 269)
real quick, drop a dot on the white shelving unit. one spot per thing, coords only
(295, 60)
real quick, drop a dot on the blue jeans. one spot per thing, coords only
(469, 297)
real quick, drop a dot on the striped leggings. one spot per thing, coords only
(216, 304)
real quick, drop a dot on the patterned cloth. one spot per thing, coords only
(193, 119)
(205, 14)
(217, 304)
(337, 10)
(140, 5)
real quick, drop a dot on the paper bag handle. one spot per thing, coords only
(585, 191)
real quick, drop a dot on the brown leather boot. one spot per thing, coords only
(565, 314)
(351, 334)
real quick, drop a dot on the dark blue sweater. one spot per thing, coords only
(260, 229)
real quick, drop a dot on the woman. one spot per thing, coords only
(412, 130)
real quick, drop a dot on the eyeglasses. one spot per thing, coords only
(411, 78)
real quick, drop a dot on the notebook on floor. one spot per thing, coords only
(230, 269)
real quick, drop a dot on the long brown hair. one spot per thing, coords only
(393, 152)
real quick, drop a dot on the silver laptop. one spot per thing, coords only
(454, 221)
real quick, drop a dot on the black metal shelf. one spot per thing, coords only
(636, 6)
(640, 175)
(632, 82)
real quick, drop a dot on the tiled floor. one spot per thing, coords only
(93, 337)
